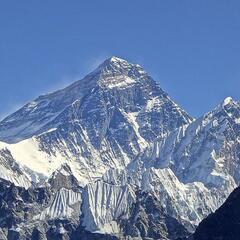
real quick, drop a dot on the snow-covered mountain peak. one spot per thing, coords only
(228, 104)
(227, 101)
(116, 83)
(115, 59)
(227, 109)
(115, 62)
(118, 73)
(117, 147)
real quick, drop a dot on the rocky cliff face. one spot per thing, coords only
(113, 157)
(224, 223)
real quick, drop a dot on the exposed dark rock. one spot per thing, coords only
(149, 220)
(224, 224)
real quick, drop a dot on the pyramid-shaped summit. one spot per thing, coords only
(116, 72)
(102, 121)
(117, 61)
(114, 84)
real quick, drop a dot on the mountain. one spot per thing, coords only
(206, 152)
(115, 84)
(113, 157)
(224, 223)
(102, 121)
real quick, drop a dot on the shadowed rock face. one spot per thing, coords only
(18, 205)
(148, 219)
(63, 178)
(19, 208)
(224, 223)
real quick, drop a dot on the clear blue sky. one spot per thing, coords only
(192, 47)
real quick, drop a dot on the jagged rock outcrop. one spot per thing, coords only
(11, 171)
(148, 219)
(222, 224)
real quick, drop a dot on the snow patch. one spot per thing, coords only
(227, 101)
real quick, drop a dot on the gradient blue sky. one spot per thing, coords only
(191, 47)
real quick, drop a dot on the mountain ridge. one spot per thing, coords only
(52, 119)
(101, 77)
(105, 147)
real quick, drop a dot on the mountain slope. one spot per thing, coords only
(224, 223)
(114, 84)
(102, 121)
(206, 150)
(10, 170)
